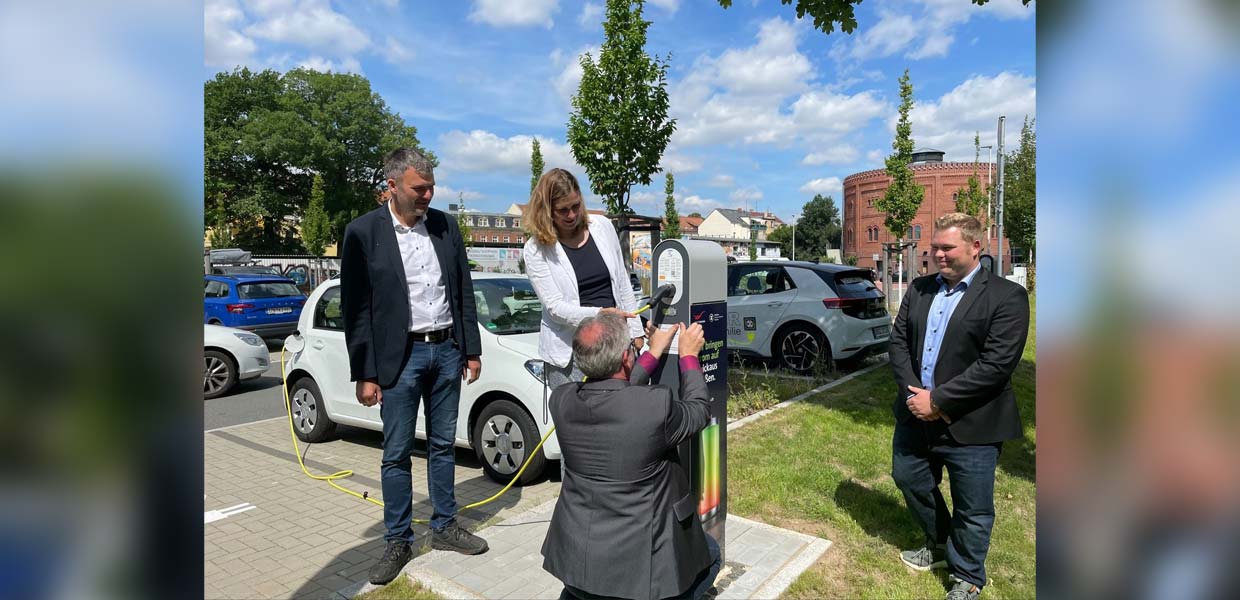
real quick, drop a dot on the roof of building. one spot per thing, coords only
(919, 166)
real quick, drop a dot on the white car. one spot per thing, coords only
(230, 355)
(502, 415)
(804, 315)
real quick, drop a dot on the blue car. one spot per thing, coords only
(265, 304)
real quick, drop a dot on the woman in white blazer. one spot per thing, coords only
(576, 267)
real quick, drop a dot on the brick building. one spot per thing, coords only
(864, 232)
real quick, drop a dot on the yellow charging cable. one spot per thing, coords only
(331, 479)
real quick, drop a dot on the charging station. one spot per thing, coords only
(698, 270)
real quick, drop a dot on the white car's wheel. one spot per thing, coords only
(219, 374)
(310, 421)
(503, 438)
(801, 349)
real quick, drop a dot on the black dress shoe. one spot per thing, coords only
(395, 556)
(456, 539)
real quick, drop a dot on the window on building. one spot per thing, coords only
(484, 222)
(917, 232)
(495, 237)
(516, 222)
(469, 221)
(520, 239)
(500, 222)
(506, 238)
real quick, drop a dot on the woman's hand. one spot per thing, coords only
(616, 311)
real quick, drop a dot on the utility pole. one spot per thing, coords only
(794, 236)
(990, 194)
(999, 212)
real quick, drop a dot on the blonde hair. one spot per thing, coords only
(554, 185)
(970, 227)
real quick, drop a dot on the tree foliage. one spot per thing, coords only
(536, 164)
(828, 13)
(970, 199)
(266, 135)
(903, 196)
(1020, 190)
(672, 230)
(315, 226)
(619, 126)
(466, 230)
(818, 229)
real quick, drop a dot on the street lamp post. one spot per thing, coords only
(989, 193)
(794, 236)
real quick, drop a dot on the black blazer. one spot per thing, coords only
(979, 352)
(374, 295)
(626, 523)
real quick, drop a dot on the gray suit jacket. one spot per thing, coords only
(626, 523)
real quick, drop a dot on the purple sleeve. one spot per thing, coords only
(648, 362)
(690, 363)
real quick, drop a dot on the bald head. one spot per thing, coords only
(599, 345)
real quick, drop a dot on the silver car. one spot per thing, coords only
(804, 314)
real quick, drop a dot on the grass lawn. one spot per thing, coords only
(401, 588)
(823, 467)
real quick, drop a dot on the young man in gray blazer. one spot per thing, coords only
(626, 524)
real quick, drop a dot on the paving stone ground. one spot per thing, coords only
(303, 538)
(768, 559)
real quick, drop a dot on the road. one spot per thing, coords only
(252, 400)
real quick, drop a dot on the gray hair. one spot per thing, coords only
(599, 345)
(402, 159)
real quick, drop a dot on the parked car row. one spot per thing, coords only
(268, 305)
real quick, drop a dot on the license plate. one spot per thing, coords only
(282, 310)
(881, 332)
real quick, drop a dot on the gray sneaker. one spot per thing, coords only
(456, 539)
(925, 558)
(395, 556)
(963, 590)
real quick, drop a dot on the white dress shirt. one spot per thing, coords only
(428, 295)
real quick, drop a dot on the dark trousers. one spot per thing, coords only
(700, 586)
(432, 372)
(920, 451)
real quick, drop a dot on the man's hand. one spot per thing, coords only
(919, 404)
(616, 311)
(368, 392)
(639, 342)
(473, 368)
(691, 340)
(661, 339)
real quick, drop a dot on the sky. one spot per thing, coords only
(769, 111)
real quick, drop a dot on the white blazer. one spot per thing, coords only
(555, 282)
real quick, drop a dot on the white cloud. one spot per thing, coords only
(223, 45)
(591, 15)
(696, 203)
(722, 181)
(647, 198)
(678, 163)
(566, 82)
(395, 52)
(825, 185)
(949, 123)
(483, 151)
(448, 194)
(836, 112)
(841, 154)
(772, 67)
(311, 24)
(515, 13)
(935, 27)
(875, 156)
(670, 6)
(318, 63)
(746, 194)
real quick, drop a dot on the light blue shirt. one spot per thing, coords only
(941, 310)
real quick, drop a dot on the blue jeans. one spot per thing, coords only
(433, 372)
(700, 586)
(919, 452)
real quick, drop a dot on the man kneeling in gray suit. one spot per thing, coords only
(626, 523)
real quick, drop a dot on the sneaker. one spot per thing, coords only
(395, 556)
(456, 539)
(925, 558)
(963, 590)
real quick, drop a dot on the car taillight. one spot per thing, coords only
(239, 308)
(844, 302)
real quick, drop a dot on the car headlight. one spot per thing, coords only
(535, 367)
(250, 339)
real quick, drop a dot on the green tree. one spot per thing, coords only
(619, 125)
(827, 13)
(903, 196)
(315, 226)
(536, 164)
(818, 229)
(782, 235)
(1020, 191)
(466, 233)
(695, 214)
(753, 243)
(265, 137)
(672, 230)
(970, 199)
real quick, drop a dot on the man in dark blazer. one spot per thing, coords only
(957, 340)
(412, 334)
(626, 523)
